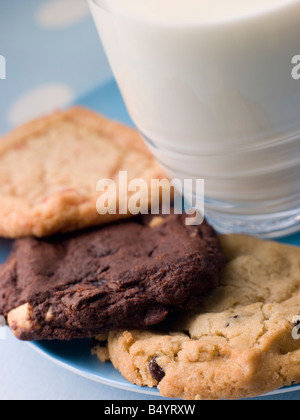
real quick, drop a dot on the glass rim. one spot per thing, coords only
(231, 20)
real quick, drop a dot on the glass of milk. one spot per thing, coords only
(212, 86)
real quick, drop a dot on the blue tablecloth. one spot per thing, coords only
(53, 55)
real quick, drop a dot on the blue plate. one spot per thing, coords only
(76, 356)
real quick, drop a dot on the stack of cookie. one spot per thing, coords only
(170, 305)
(243, 340)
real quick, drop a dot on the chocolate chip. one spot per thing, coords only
(232, 317)
(156, 371)
(296, 322)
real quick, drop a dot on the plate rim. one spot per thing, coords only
(93, 377)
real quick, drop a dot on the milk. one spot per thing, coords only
(209, 85)
(187, 11)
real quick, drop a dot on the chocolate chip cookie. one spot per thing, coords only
(243, 341)
(130, 274)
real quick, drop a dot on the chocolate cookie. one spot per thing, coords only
(125, 275)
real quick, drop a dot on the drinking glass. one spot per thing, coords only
(217, 100)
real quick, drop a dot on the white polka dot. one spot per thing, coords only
(39, 101)
(58, 14)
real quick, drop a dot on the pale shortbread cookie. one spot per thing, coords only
(49, 170)
(241, 343)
